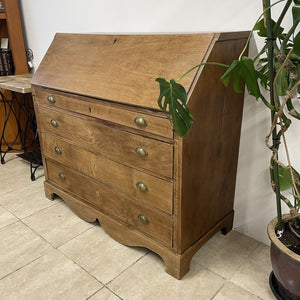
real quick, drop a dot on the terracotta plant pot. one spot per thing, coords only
(285, 283)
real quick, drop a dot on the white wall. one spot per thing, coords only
(254, 200)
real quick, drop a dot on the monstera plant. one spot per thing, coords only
(275, 70)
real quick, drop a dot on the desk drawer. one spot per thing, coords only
(157, 124)
(118, 145)
(113, 203)
(157, 192)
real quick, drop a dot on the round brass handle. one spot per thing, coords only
(54, 123)
(57, 150)
(62, 176)
(51, 99)
(142, 187)
(141, 151)
(140, 121)
(143, 219)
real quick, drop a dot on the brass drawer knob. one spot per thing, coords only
(62, 176)
(51, 99)
(143, 219)
(142, 187)
(140, 121)
(141, 151)
(54, 123)
(57, 150)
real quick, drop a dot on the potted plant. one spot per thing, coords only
(275, 69)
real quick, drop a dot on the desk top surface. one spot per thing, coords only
(17, 83)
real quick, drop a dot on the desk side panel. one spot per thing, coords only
(210, 149)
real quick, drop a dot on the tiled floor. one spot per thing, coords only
(46, 252)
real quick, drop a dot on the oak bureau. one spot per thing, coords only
(111, 154)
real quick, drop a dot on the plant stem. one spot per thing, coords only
(270, 46)
(283, 13)
(203, 64)
(246, 45)
(288, 35)
(268, 9)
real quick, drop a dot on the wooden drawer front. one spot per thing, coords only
(98, 109)
(116, 144)
(113, 203)
(158, 192)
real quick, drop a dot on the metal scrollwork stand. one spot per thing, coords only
(20, 111)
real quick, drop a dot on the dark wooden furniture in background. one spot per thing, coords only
(11, 28)
(111, 154)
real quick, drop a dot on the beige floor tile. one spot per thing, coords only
(13, 182)
(57, 224)
(6, 217)
(147, 280)
(225, 254)
(15, 174)
(18, 246)
(104, 294)
(101, 255)
(53, 276)
(14, 164)
(254, 274)
(10, 156)
(233, 292)
(27, 201)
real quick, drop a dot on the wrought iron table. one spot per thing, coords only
(20, 106)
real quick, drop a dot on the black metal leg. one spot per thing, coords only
(16, 108)
(10, 112)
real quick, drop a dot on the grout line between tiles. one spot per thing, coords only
(28, 263)
(53, 203)
(89, 297)
(211, 271)
(55, 247)
(75, 236)
(4, 227)
(114, 293)
(217, 292)
(18, 188)
(81, 267)
(21, 218)
(147, 252)
(226, 282)
(245, 260)
(38, 234)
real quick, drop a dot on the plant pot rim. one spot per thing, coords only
(274, 239)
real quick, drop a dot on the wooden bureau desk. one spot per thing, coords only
(111, 154)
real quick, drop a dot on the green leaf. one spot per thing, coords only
(263, 79)
(285, 178)
(298, 73)
(296, 14)
(297, 44)
(297, 2)
(262, 30)
(282, 83)
(172, 100)
(229, 73)
(244, 70)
